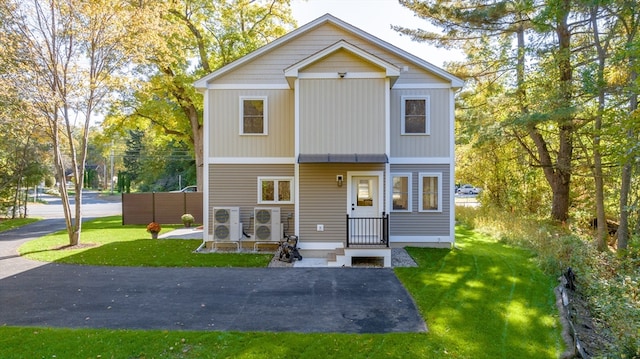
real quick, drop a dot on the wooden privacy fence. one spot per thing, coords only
(161, 207)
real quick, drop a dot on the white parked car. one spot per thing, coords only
(468, 189)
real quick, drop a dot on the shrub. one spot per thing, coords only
(187, 219)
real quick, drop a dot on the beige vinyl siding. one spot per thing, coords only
(235, 185)
(342, 116)
(224, 129)
(416, 223)
(437, 143)
(321, 201)
(342, 61)
(267, 68)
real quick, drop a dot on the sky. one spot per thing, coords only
(376, 18)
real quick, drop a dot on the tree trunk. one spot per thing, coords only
(601, 228)
(627, 170)
(562, 178)
(198, 145)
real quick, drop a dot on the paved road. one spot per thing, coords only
(344, 300)
(93, 206)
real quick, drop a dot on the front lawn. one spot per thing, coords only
(106, 241)
(480, 300)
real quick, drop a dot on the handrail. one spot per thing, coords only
(368, 231)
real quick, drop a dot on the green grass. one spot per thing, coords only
(481, 300)
(484, 299)
(106, 241)
(7, 224)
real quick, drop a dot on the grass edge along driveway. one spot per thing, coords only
(480, 300)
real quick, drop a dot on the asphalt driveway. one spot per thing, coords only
(343, 300)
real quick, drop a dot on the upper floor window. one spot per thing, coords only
(275, 190)
(253, 115)
(401, 192)
(415, 115)
(430, 192)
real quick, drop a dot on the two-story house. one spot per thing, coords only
(335, 136)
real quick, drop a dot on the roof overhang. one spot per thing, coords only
(391, 71)
(343, 158)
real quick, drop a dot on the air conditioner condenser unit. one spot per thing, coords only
(226, 224)
(266, 224)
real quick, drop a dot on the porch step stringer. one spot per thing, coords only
(343, 257)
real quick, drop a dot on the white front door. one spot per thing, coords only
(364, 209)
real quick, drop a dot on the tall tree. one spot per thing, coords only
(131, 158)
(550, 123)
(72, 52)
(627, 15)
(199, 36)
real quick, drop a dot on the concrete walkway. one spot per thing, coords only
(344, 300)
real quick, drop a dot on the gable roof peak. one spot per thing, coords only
(455, 82)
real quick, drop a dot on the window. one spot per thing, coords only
(275, 190)
(365, 196)
(253, 115)
(415, 115)
(430, 192)
(401, 192)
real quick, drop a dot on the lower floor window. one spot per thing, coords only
(275, 190)
(430, 192)
(401, 192)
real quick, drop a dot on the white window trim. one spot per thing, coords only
(409, 175)
(422, 175)
(275, 194)
(427, 115)
(265, 109)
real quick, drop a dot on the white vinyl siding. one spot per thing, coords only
(430, 189)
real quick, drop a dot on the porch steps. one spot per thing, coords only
(342, 257)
